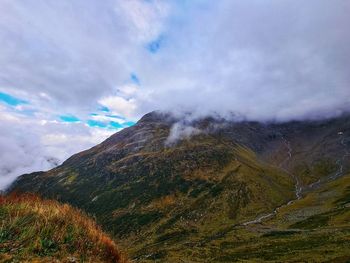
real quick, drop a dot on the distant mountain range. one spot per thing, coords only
(213, 190)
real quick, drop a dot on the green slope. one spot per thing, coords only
(200, 199)
(315, 228)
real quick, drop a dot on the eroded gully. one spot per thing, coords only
(298, 189)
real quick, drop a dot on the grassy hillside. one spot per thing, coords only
(315, 228)
(37, 230)
(180, 194)
(169, 203)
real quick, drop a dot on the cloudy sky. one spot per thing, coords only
(74, 72)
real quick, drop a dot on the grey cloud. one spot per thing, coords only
(74, 51)
(265, 60)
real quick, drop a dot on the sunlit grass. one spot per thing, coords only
(36, 229)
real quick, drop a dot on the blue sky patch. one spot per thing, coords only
(115, 116)
(134, 78)
(98, 124)
(128, 123)
(28, 112)
(69, 118)
(10, 100)
(116, 125)
(104, 109)
(154, 46)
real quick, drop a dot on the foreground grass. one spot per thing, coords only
(36, 230)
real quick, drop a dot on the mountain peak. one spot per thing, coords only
(158, 116)
(220, 177)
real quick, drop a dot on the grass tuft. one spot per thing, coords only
(41, 230)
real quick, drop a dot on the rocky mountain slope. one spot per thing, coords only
(213, 190)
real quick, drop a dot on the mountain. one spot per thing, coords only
(213, 190)
(37, 230)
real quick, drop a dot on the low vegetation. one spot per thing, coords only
(37, 230)
(191, 201)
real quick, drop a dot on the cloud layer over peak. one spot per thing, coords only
(81, 70)
(265, 60)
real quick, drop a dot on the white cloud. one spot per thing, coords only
(64, 54)
(128, 89)
(181, 131)
(107, 118)
(146, 17)
(29, 145)
(119, 105)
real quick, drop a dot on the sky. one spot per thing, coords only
(73, 73)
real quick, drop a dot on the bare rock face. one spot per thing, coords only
(214, 176)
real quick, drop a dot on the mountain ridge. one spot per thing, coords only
(228, 176)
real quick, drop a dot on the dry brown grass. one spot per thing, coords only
(163, 202)
(41, 229)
